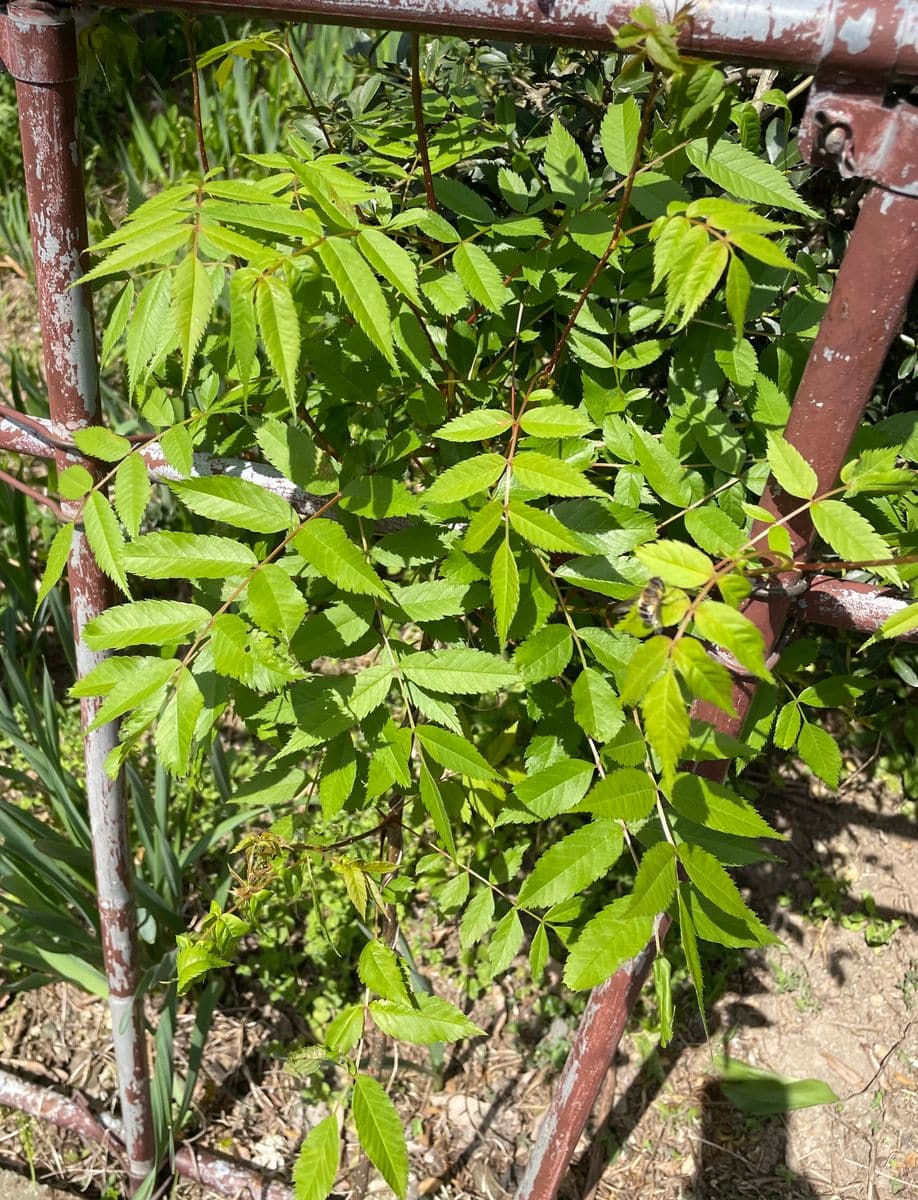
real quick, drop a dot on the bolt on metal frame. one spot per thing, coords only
(857, 49)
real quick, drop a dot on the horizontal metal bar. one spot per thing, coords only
(35, 439)
(845, 604)
(854, 38)
(225, 1176)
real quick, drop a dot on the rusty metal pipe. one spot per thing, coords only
(40, 49)
(864, 313)
(595, 1042)
(225, 1176)
(844, 604)
(845, 37)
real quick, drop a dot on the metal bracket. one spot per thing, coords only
(863, 136)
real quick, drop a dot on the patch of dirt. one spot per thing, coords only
(825, 1005)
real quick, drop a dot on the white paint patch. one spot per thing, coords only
(856, 32)
(757, 20)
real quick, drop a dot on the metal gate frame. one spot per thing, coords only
(854, 122)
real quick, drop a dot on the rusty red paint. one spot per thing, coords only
(847, 36)
(845, 604)
(597, 1038)
(225, 1176)
(39, 41)
(855, 132)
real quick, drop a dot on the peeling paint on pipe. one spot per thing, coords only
(598, 1035)
(225, 1176)
(37, 41)
(842, 36)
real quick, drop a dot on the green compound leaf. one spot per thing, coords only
(676, 563)
(745, 175)
(317, 1162)
(105, 538)
(475, 426)
(610, 939)
(545, 654)
(380, 1132)
(423, 1021)
(459, 671)
(144, 623)
(505, 589)
(383, 972)
(566, 868)
(655, 882)
(666, 720)
(279, 327)
(482, 280)
(360, 291)
(821, 753)
(466, 479)
(133, 490)
(566, 167)
(717, 807)
(790, 468)
(551, 476)
(58, 553)
(235, 502)
(627, 794)
(454, 752)
(167, 555)
(193, 300)
(325, 546)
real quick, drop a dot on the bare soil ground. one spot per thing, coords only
(826, 1005)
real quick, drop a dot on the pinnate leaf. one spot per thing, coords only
(235, 502)
(325, 546)
(424, 1021)
(380, 1132)
(745, 175)
(317, 1162)
(105, 538)
(144, 623)
(360, 291)
(569, 866)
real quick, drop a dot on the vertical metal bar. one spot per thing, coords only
(598, 1035)
(864, 313)
(41, 48)
(866, 307)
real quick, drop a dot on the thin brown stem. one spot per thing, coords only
(33, 493)
(417, 103)
(310, 99)
(549, 369)
(196, 94)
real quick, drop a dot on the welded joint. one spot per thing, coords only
(30, 49)
(862, 136)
